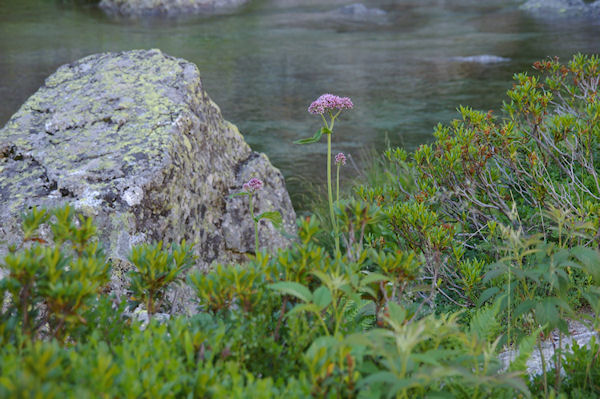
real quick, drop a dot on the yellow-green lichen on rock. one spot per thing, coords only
(133, 139)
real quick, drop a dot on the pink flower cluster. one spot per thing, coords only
(253, 185)
(328, 102)
(340, 159)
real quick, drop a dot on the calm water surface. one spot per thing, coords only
(264, 64)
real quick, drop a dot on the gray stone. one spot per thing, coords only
(169, 8)
(358, 11)
(133, 140)
(482, 59)
(562, 8)
(578, 333)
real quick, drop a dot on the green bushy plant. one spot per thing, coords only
(51, 285)
(155, 269)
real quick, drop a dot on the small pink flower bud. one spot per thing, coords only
(253, 185)
(340, 159)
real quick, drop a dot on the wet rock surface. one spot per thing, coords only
(563, 8)
(482, 59)
(133, 140)
(359, 11)
(168, 8)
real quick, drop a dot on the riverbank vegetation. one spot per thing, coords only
(483, 240)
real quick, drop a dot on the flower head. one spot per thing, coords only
(329, 102)
(253, 185)
(340, 159)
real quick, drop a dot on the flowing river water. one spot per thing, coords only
(405, 70)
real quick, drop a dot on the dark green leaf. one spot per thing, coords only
(487, 294)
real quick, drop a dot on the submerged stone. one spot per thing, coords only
(563, 8)
(133, 140)
(169, 8)
(482, 59)
(358, 12)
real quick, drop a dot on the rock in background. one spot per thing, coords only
(563, 8)
(133, 140)
(169, 8)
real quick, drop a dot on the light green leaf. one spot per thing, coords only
(240, 194)
(273, 216)
(312, 139)
(526, 347)
(373, 278)
(590, 259)
(322, 297)
(304, 307)
(292, 288)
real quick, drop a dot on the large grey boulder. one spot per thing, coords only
(133, 140)
(170, 8)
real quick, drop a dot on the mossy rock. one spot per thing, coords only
(133, 139)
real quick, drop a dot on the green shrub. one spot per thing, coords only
(155, 269)
(51, 285)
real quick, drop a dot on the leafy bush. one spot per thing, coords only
(51, 286)
(155, 269)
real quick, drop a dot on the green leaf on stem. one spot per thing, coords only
(241, 194)
(322, 297)
(273, 216)
(314, 138)
(294, 289)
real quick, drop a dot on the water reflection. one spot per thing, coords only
(266, 63)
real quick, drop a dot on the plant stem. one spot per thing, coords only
(150, 305)
(509, 294)
(280, 318)
(337, 184)
(330, 196)
(543, 368)
(255, 225)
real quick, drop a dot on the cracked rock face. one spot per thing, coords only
(133, 140)
(168, 8)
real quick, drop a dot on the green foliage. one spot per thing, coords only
(228, 287)
(433, 357)
(50, 286)
(581, 368)
(156, 268)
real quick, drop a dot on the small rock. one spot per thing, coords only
(141, 316)
(578, 333)
(360, 10)
(562, 8)
(168, 8)
(482, 59)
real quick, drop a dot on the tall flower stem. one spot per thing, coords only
(331, 105)
(337, 184)
(255, 224)
(330, 195)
